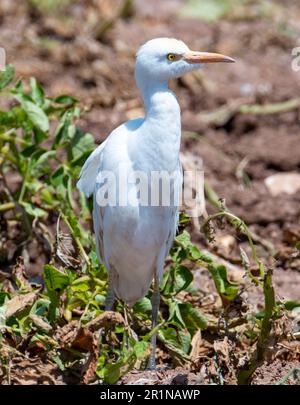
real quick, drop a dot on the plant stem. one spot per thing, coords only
(214, 199)
(245, 375)
(242, 227)
(24, 184)
(7, 206)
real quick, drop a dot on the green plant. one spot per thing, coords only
(42, 146)
(47, 164)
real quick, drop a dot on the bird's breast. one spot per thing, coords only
(159, 146)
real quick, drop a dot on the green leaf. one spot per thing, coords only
(225, 288)
(183, 278)
(184, 239)
(2, 317)
(81, 145)
(65, 130)
(175, 342)
(193, 317)
(184, 218)
(59, 362)
(113, 372)
(29, 151)
(290, 305)
(34, 113)
(40, 307)
(188, 250)
(81, 284)
(59, 180)
(195, 253)
(48, 196)
(177, 279)
(59, 177)
(6, 76)
(65, 99)
(39, 164)
(143, 306)
(3, 296)
(54, 278)
(140, 349)
(37, 93)
(178, 339)
(32, 210)
(175, 315)
(298, 245)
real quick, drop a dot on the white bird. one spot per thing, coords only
(133, 240)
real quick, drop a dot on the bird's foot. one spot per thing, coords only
(151, 366)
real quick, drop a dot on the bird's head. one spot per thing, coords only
(162, 59)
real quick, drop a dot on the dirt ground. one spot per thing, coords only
(68, 54)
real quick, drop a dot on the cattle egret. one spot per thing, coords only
(133, 239)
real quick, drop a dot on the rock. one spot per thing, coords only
(288, 182)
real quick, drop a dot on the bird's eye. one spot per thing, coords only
(171, 57)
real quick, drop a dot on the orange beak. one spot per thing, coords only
(206, 57)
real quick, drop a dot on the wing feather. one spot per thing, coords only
(89, 171)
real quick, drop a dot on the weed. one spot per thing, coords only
(63, 319)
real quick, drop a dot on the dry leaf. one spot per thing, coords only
(196, 345)
(18, 303)
(108, 318)
(19, 273)
(67, 251)
(222, 348)
(74, 335)
(90, 366)
(67, 334)
(40, 323)
(28, 371)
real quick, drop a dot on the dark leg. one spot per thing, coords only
(110, 298)
(155, 308)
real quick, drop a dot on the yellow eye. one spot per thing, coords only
(171, 57)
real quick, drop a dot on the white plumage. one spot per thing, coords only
(134, 240)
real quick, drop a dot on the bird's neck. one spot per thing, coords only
(159, 101)
(162, 124)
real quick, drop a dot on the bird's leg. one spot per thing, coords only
(109, 302)
(110, 298)
(155, 307)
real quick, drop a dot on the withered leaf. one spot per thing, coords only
(74, 335)
(67, 251)
(28, 371)
(40, 323)
(19, 273)
(90, 366)
(67, 334)
(18, 303)
(196, 345)
(108, 318)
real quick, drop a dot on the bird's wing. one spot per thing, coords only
(98, 215)
(89, 171)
